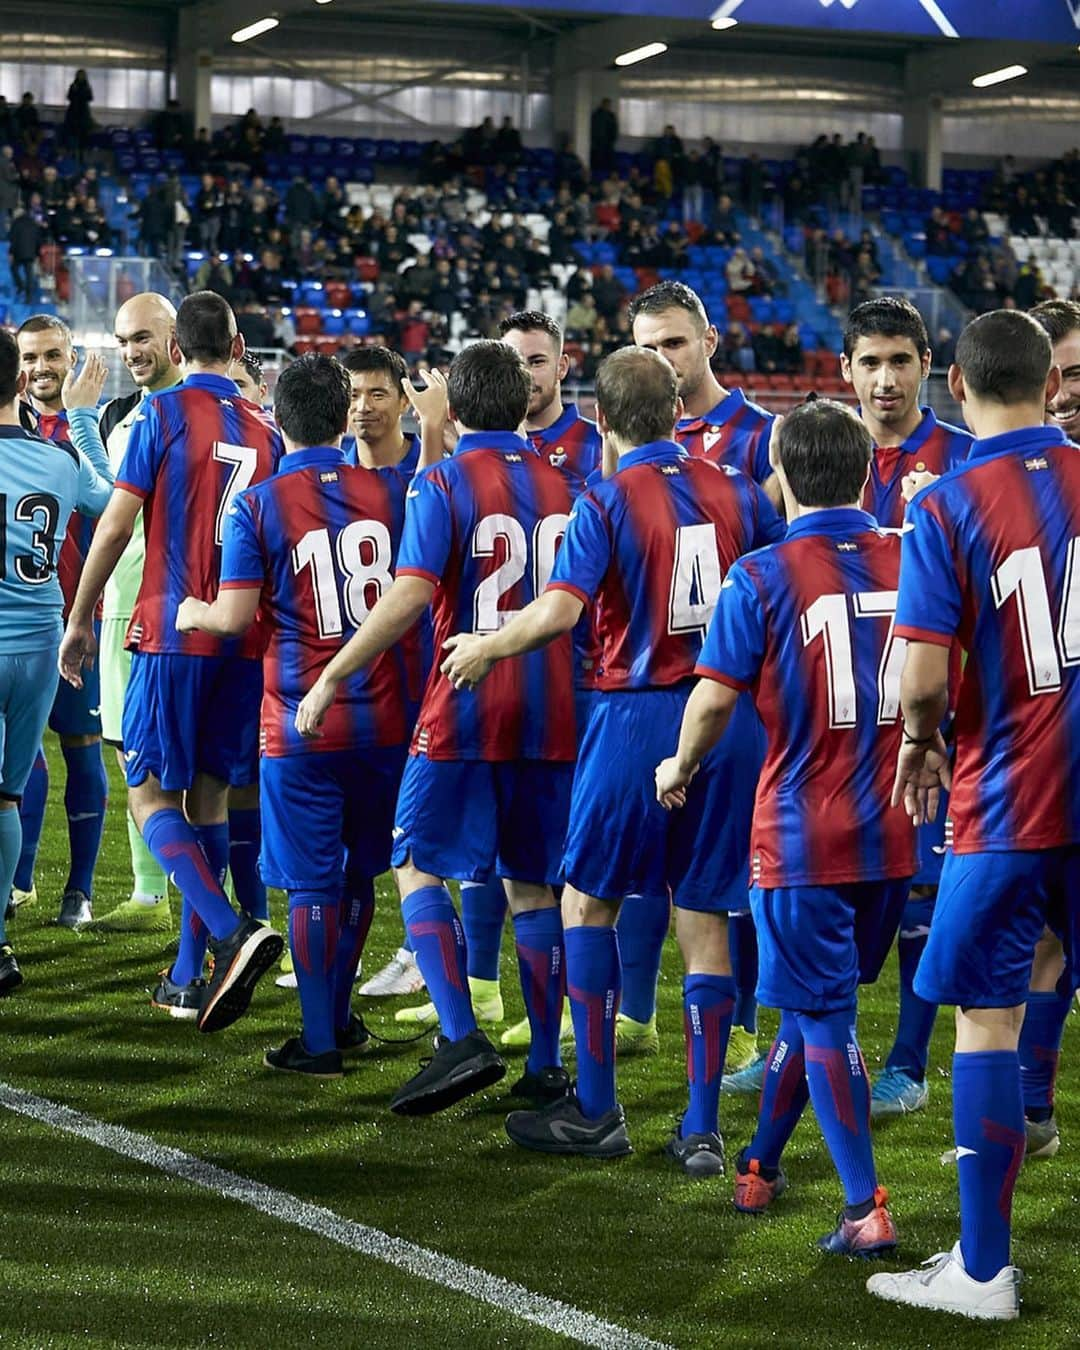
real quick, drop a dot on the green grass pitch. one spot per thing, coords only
(101, 1251)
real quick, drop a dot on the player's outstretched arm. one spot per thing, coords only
(432, 411)
(230, 614)
(705, 717)
(922, 766)
(470, 656)
(81, 393)
(394, 614)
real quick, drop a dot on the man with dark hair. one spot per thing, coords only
(315, 545)
(47, 353)
(886, 359)
(1061, 320)
(250, 379)
(486, 787)
(806, 627)
(722, 426)
(989, 562)
(190, 725)
(43, 483)
(662, 524)
(378, 376)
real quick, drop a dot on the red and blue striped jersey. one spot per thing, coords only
(993, 559)
(406, 466)
(807, 627)
(933, 447)
(483, 527)
(80, 530)
(735, 432)
(192, 449)
(320, 538)
(650, 546)
(571, 445)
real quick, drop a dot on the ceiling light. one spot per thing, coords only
(721, 24)
(256, 29)
(998, 76)
(641, 54)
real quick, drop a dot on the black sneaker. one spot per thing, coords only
(75, 910)
(547, 1086)
(293, 1058)
(561, 1128)
(239, 962)
(179, 1000)
(699, 1155)
(456, 1070)
(10, 974)
(354, 1038)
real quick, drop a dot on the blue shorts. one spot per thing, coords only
(77, 712)
(185, 715)
(931, 838)
(991, 910)
(467, 818)
(817, 944)
(315, 807)
(27, 688)
(622, 841)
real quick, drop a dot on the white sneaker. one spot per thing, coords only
(943, 1283)
(399, 976)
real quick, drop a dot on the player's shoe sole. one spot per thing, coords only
(457, 1070)
(132, 916)
(179, 1000)
(943, 1284)
(293, 1058)
(240, 961)
(561, 1128)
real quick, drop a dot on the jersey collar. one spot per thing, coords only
(216, 384)
(312, 457)
(836, 520)
(1023, 441)
(492, 440)
(559, 427)
(724, 411)
(652, 453)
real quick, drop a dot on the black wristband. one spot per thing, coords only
(918, 740)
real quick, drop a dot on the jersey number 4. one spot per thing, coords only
(363, 556)
(43, 511)
(829, 618)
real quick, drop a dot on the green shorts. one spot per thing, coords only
(115, 666)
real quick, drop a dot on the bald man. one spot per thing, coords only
(144, 327)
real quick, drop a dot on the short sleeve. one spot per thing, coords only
(584, 554)
(145, 450)
(735, 643)
(428, 531)
(929, 601)
(242, 561)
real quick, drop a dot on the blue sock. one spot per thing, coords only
(1040, 1045)
(245, 838)
(742, 944)
(784, 1094)
(483, 913)
(355, 913)
(85, 797)
(542, 966)
(988, 1118)
(175, 844)
(191, 954)
(214, 842)
(642, 926)
(439, 943)
(313, 936)
(708, 1001)
(839, 1090)
(406, 940)
(594, 983)
(32, 815)
(10, 846)
(912, 1044)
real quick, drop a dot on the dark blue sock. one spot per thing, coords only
(354, 919)
(542, 966)
(245, 839)
(836, 1075)
(1040, 1045)
(406, 940)
(32, 816)
(916, 1023)
(10, 845)
(175, 845)
(742, 944)
(313, 937)
(594, 983)
(85, 798)
(191, 954)
(214, 842)
(483, 913)
(988, 1118)
(784, 1093)
(642, 927)
(439, 943)
(708, 1001)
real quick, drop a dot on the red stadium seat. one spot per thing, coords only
(327, 345)
(338, 295)
(367, 269)
(738, 308)
(308, 321)
(304, 345)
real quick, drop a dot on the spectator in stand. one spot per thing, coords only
(694, 176)
(737, 347)
(865, 277)
(302, 209)
(508, 147)
(739, 272)
(944, 348)
(1030, 287)
(214, 274)
(170, 127)
(201, 154)
(52, 189)
(1022, 214)
(767, 349)
(725, 225)
(206, 211)
(939, 236)
(25, 239)
(673, 245)
(582, 316)
(269, 278)
(974, 229)
(155, 213)
(254, 322)
(77, 120)
(858, 167)
(609, 294)
(790, 359)
(274, 142)
(333, 207)
(753, 185)
(767, 278)
(28, 123)
(1059, 216)
(8, 130)
(603, 133)
(10, 188)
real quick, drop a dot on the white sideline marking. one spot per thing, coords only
(515, 1299)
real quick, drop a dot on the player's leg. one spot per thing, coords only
(541, 955)
(32, 820)
(742, 943)
(642, 926)
(245, 835)
(759, 1177)
(1040, 1045)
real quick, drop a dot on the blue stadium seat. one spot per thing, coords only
(333, 323)
(357, 322)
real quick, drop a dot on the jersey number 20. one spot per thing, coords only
(549, 530)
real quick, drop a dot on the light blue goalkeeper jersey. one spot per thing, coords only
(41, 483)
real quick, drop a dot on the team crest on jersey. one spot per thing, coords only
(329, 476)
(710, 437)
(672, 470)
(513, 458)
(226, 402)
(846, 547)
(557, 458)
(1039, 462)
